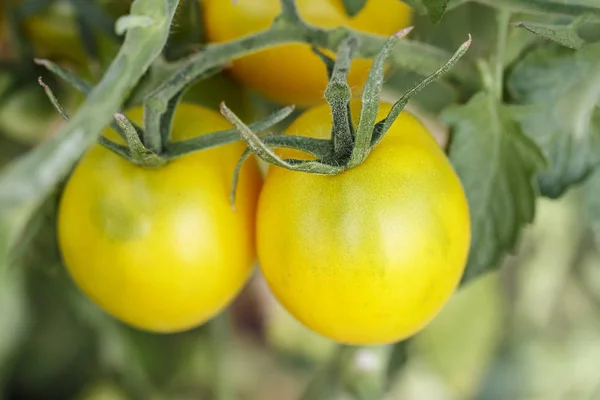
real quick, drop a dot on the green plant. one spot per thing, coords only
(523, 114)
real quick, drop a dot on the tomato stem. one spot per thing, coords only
(370, 101)
(158, 114)
(338, 95)
(347, 149)
(116, 148)
(53, 99)
(158, 125)
(78, 83)
(383, 126)
(140, 154)
(321, 149)
(262, 150)
(289, 28)
(177, 149)
(289, 12)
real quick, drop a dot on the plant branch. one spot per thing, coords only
(179, 148)
(54, 100)
(139, 153)
(359, 372)
(219, 333)
(371, 97)
(321, 149)
(412, 56)
(338, 94)
(289, 11)
(384, 125)
(159, 112)
(502, 22)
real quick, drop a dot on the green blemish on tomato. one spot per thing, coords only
(120, 221)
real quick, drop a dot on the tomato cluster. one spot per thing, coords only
(366, 256)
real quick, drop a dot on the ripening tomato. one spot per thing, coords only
(161, 249)
(291, 73)
(370, 255)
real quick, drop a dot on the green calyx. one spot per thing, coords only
(152, 146)
(349, 146)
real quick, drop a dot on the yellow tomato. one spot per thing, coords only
(291, 73)
(370, 255)
(161, 249)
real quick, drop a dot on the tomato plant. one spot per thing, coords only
(160, 249)
(372, 254)
(364, 227)
(291, 73)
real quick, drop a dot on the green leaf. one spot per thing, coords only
(565, 35)
(417, 5)
(353, 7)
(384, 125)
(593, 204)
(461, 356)
(338, 95)
(434, 8)
(370, 102)
(557, 89)
(497, 165)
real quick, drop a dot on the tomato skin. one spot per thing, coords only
(161, 249)
(371, 255)
(291, 73)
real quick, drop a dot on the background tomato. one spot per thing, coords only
(161, 249)
(370, 255)
(54, 31)
(292, 73)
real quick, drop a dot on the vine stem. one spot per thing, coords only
(219, 333)
(409, 55)
(502, 20)
(357, 371)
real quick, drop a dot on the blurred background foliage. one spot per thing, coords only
(530, 330)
